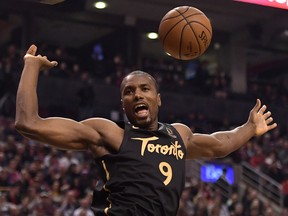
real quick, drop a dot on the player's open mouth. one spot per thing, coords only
(141, 110)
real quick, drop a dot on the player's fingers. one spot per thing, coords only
(270, 127)
(257, 106)
(262, 109)
(32, 50)
(267, 115)
(55, 63)
(269, 120)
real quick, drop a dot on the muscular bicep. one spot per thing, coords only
(62, 133)
(199, 145)
(204, 146)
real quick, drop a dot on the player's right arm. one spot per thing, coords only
(59, 132)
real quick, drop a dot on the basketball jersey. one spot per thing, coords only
(146, 176)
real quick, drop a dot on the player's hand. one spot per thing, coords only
(261, 119)
(40, 61)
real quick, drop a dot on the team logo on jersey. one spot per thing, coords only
(173, 149)
(170, 132)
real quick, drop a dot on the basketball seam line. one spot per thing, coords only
(195, 35)
(171, 30)
(188, 23)
(184, 18)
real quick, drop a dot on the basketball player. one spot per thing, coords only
(143, 160)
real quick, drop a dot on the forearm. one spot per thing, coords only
(232, 140)
(222, 143)
(26, 100)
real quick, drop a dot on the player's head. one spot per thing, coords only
(139, 72)
(140, 98)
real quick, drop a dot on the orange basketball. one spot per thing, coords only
(185, 32)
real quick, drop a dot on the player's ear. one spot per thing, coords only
(159, 100)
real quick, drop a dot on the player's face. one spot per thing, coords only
(141, 101)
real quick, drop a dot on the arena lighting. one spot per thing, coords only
(100, 5)
(152, 35)
(283, 4)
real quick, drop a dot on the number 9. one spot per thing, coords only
(166, 170)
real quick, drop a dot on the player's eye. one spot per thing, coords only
(128, 92)
(145, 89)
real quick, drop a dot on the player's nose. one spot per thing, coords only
(138, 95)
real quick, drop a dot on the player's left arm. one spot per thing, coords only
(222, 143)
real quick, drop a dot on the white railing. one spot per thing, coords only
(268, 189)
(265, 185)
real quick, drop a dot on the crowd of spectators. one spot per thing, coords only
(201, 199)
(36, 179)
(201, 77)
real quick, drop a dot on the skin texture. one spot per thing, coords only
(139, 89)
(140, 100)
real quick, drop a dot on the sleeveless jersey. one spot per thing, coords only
(146, 176)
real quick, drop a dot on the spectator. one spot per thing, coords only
(6, 208)
(223, 185)
(69, 204)
(84, 209)
(186, 206)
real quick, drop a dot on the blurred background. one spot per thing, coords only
(96, 48)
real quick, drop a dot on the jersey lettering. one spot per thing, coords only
(173, 149)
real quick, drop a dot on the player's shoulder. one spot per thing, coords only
(110, 132)
(182, 129)
(101, 123)
(180, 126)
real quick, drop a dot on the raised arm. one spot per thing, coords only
(59, 132)
(222, 143)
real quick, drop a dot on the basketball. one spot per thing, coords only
(185, 32)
